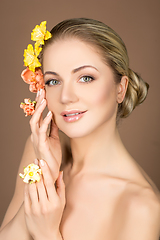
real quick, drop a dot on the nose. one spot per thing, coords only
(68, 94)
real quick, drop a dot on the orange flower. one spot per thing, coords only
(28, 107)
(35, 79)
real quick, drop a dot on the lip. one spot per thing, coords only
(72, 118)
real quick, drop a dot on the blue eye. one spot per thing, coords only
(52, 82)
(86, 79)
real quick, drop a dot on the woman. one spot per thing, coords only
(105, 193)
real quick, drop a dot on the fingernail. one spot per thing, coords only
(42, 101)
(49, 113)
(36, 161)
(37, 93)
(61, 175)
(40, 92)
(42, 162)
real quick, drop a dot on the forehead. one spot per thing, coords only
(70, 53)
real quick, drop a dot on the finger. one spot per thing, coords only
(42, 193)
(44, 127)
(32, 189)
(45, 148)
(54, 133)
(35, 120)
(60, 187)
(48, 181)
(37, 95)
(27, 200)
(36, 161)
(40, 96)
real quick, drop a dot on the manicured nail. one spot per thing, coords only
(37, 93)
(61, 175)
(49, 113)
(42, 162)
(42, 101)
(40, 92)
(36, 161)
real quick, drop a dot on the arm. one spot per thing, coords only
(42, 148)
(16, 229)
(14, 225)
(17, 200)
(44, 201)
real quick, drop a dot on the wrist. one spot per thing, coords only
(55, 236)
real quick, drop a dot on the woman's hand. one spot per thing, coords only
(44, 205)
(46, 147)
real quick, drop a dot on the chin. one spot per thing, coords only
(78, 131)
(74, 133)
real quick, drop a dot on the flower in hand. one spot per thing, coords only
(28, 106)
(31, 173)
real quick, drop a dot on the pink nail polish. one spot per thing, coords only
(42, 101)
(61, 175)
(40, 92)
(49, 113)
(42, 162)
(37, 93)
(36, 161)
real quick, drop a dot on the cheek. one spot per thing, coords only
(104, 94)
(51, 100)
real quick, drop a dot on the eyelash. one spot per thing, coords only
(48, 83)
(91, 79)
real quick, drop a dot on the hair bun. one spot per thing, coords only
(136, 93)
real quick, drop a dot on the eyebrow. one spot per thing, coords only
(73, 71)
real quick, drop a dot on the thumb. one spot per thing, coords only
(60, 186)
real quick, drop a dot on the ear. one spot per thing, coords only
(122, 88)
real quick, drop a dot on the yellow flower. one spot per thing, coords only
(30, 57)
(39, 33)
(37, 49)
(31, 173)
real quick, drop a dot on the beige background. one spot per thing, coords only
(137, 22)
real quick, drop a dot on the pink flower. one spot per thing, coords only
(35, 79)
(28, 107)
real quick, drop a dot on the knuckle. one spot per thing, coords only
(35, 212)
(31, 121)
(49, 183)
(56, 205)
(44, 210)
(40, 130)
(27, 212)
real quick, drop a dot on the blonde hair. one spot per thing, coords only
(113, 52)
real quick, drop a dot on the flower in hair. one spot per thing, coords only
(33, 74)
(35, 79)
(31, 173)
(28, 106)
(30, 58)
(39, 33)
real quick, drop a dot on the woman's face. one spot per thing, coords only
(80, 87)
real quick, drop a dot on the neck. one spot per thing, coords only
(96, 151)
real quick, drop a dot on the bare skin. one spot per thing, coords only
(108, 195)
(86, 196)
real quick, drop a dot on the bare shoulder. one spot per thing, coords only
(142, 212)
(144, 199)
